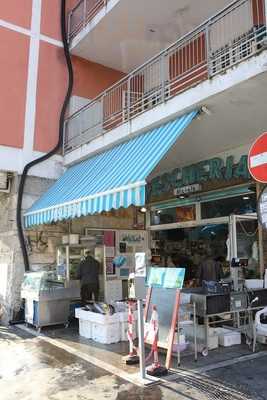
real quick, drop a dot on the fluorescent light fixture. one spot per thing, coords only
(246, 197)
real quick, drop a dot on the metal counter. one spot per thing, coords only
(48, 307)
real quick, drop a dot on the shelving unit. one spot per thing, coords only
(67, 255)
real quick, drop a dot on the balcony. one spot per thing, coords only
(235, 34)
(109, 32)
(82, 14)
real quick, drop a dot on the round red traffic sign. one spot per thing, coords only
(257, 159)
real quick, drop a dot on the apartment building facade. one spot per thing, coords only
(143, 72)
(34, 81)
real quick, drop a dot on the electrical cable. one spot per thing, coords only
(58, 146)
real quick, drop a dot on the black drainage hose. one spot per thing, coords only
(58, 145)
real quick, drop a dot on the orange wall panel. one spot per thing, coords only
(51, 88)
(50, 22)
(14, 53)
(17, 12)
(90, 79)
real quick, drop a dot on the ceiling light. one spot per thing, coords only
(158, 211)
(143, 210)
(182, 196)
(246, 197)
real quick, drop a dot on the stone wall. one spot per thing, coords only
(41, 244)
(115, 219)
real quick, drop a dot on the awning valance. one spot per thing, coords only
(112, 179)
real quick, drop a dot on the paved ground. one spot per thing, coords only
(32, 369)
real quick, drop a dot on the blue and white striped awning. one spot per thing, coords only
(110, 180)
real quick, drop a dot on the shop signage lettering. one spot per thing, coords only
(215, 169)
(132, 238)
(188, 189)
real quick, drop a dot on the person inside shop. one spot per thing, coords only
(209, 269)
(88, 273)
(183, 261)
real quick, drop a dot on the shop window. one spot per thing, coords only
(173, 215)
(245, 204)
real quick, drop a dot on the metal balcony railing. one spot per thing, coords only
(233, 35)
(82, 14)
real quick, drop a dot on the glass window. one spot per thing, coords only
(245, 204)
(173, 215)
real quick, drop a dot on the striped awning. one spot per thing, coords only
(112, 179)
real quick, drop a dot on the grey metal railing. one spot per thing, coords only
(233, 35)
(82, 14)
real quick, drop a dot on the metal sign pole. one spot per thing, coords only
(141, 339)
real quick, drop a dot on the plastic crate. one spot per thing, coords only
(85, 329)
(228, 337)
(106, 333)
(95, 317)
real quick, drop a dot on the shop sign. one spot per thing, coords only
(188, 189)
(262, 208)
(216, 171)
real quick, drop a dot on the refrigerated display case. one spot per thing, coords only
(47, 300)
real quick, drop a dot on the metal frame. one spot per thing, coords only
(233, 240)
(79, 20)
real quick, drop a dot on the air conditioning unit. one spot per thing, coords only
(5, 182)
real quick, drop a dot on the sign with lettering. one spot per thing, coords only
(209, 175)
(188, 189)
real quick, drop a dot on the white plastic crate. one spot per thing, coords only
(106, 333)
(228, 337)
(200, 333)
(254, 283)
(95, 317)
(85, 329)
(101, 328)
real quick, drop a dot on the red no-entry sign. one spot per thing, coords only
(257, 159)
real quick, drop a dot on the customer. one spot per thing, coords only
(88, 273)
(209, 269)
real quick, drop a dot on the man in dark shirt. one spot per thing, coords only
(88, 272)
(209, 270)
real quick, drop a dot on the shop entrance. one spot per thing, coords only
(185, 233)
(188, 247)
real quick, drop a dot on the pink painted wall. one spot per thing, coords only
(14, 52)
(91, 78)
(50, 25)
(17, 12)
(52, 84)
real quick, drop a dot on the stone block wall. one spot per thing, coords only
(41, 244)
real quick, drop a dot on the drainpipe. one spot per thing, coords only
(59, 144)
